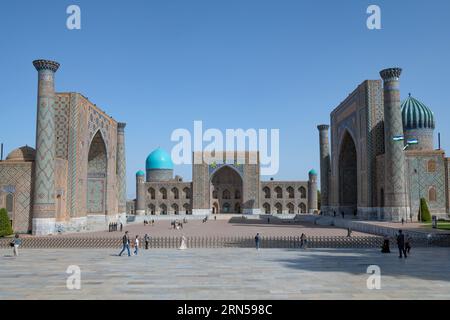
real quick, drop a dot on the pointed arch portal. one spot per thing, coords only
(97, 175)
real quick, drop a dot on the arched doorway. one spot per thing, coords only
(226, 191)
(348, 179)
(97, 176)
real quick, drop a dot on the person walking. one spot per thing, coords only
(257, 241)
(136, 245)
(302, 240)
(349, 232)
(408, 244)
(121, 227)
(146, 240)
(403, 221)
(16, 243)
(401, 244)
(126, 244)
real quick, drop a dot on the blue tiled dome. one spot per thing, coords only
(140, 173)
(313, 172)
(158, 159)
(416, 115)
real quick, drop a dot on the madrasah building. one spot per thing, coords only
(219, 187)
(381, 159)
(74, 180)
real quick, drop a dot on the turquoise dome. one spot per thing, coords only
(416, 115)
(140, 173)
(313, 172)
(158, 159)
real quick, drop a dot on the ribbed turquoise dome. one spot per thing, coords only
(158, 159)
(140, 173)
(416, 115)
(313, 172)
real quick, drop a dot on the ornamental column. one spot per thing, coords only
(140, 193)
(312, 191)
(324, 166)
(121, 169)
(43, 213)
(395, 198)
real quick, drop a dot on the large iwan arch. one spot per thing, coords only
(97, 176)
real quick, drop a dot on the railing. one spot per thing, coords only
(288, 242)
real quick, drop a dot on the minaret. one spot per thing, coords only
(312, 191)
(324, 166)
(44, 180)
(395, 198)
(140, 193)
(121, 169)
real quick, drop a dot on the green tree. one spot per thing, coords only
(5, 224)
(424, 214)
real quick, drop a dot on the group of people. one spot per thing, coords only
(176, 224)
(126, 244)
(114, 226)
(146, 223)
(403, 244)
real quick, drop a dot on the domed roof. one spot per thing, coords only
(416, 115)
(24, 153)
(312, 172)
(140, 173)
(158, 159)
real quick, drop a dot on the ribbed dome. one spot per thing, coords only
(416, 115)
(24, 153)
(158, 159)
(140, 173)
(313, 172)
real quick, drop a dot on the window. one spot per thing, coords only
(151, 192)
(290, 191)
(290, 207)
(237, 194)
(215, 196)
(266, 207)
(432, 194)
(302, 208)
(302, 191)
(279, 208)
(175, 208)
(175, 193)
(10, 202)
(163, 192)
(226, 194)
(187, 193)
(266, 191)
(279, 192)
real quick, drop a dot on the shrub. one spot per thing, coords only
(424, 211)
(5, 224)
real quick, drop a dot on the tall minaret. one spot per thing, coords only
(140, 193)
(44, 180)
(121, 169)
(312, 191)
(324, 167)
(395, 198)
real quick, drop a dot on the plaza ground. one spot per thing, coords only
(225, 274)
(225, 228)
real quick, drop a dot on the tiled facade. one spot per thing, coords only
(371, 175)
(81, 169)
(221, 187)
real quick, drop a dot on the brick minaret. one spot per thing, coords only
(395, 198)
(312, 191)
(140, 193)
(121, 169)
(44, 180)
(324, 166)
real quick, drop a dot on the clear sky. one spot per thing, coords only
(160, 65)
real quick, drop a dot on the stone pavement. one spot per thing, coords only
(225, 274)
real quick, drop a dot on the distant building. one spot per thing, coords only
(219, 188)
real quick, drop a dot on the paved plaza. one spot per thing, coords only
(225, 228)
(225, 274)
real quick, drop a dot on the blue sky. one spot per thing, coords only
(160, 65)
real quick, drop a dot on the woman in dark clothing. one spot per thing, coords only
(385, 248)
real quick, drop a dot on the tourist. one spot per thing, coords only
(183, 245)
(302, 240)
(147, 240)
(121, 227)
(385, 248)
(153, 222)
(136, 245)
(257, 241)
(343, 214)
(408, 244)
(403, 221)
(126, 244)
(15, 244)
(401, 244)
(109, 227)
(268, 220)
(335, 214)
(349, 232)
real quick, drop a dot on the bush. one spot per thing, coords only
(425, 215)
(5, 224)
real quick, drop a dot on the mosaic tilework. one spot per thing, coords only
(62, 124)
(18, 175)
(121, 169)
